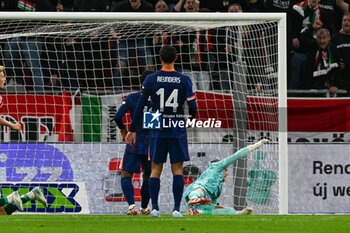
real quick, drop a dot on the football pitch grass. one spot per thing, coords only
(164, 224)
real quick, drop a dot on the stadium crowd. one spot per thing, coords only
(318, 47)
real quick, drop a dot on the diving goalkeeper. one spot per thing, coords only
(201, 196)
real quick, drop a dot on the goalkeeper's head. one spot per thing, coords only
(224, 172)
(167, 54)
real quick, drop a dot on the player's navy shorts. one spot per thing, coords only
(176, 147)
(132, 162)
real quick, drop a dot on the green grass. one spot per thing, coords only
(164, 224)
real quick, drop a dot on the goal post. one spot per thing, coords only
(69, 72)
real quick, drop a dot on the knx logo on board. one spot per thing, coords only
(61, 197)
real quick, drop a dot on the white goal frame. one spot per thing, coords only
(282, 59)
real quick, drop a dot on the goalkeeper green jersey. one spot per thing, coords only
(212, 179)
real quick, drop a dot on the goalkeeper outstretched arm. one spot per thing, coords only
(207, 188)
(240, 154)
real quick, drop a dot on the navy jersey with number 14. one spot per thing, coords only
(169, 90)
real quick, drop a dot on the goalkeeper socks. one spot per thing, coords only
(154, 186)
(144, 194)
(3, 201)
(25, 198)
(178, 188)
(224, 211)
(10, 208)
(128, 190)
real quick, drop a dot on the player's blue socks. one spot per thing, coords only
(144, 194)
(154, 186)
(178, 188)
(128, 190)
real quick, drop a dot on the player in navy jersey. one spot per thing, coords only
(169, 90)
(135, 155)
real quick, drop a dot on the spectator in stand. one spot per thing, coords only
(28, 47)
(187, 6)
(41, 5)
(128, 44)
(92, 49)
(302, 16)
(278, 5)
(193, 52)
(328, 17)
(59, 62)
(255, 6)
(171, 4)
(160, 39)
(133, 6)
(90, 5)
(224, 52)
(161, 6)
(342, 7)
(8, 5)
(342, 41)
(234, 8)
(323, 60)
(213, 6)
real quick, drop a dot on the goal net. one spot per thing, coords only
(68, 73)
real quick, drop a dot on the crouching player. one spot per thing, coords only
(14, 201)
(201, 196)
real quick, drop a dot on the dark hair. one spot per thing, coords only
(345, 15)
(167, 53)
(237, 5)
(145, 74)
